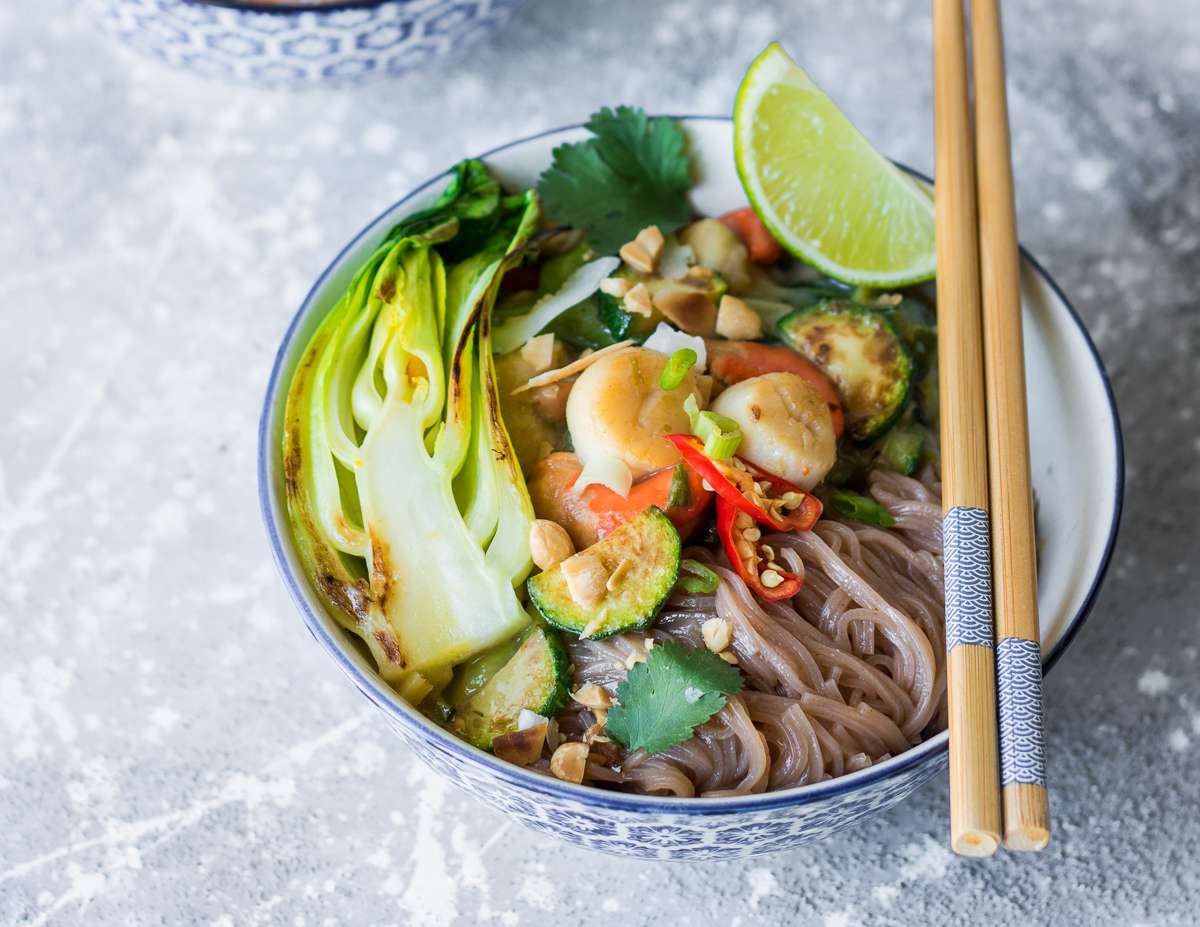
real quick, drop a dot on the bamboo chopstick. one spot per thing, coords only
(970, 664)
(1014, 564)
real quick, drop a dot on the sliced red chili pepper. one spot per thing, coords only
(739, 482)
(748, 557)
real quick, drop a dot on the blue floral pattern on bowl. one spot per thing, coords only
(603, 823)
(342, 44)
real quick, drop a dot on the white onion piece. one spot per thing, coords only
(608, 471)
(668, 340)
(515, 331)
(527, 719)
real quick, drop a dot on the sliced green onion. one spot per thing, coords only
(677, 367)
(859, 508)
(721, 435)
(696, 578)
(680, 493)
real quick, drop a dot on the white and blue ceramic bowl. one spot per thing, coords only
(301, 43)
(1078, 473)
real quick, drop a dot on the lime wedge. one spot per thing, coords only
(818, 185)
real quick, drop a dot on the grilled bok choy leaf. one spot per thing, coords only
(408, 506)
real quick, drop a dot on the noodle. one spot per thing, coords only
(848, 673)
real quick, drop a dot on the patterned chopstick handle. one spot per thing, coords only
(1022, 741)
(967, 546)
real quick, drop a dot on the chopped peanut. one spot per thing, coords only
(594, 697)
(737, 321)
(549, 543)
(553, 737)
(689, 309)
(595, 733)
(538, 352)
(521, 747)
(637, 257)
(643, 252)
(616, 286)
(729, 657)
(586, 578)
(570, 761)
(637, 299)
(652, 240)
(618, 574)
(717, 634)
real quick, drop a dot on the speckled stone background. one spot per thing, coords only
(175, 750)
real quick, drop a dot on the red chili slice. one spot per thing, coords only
(751, 488)
(747, 566)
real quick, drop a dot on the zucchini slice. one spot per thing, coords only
(641, 562)
(860, 351)
(901, 448)
(536, 678)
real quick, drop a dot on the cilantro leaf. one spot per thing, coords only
(633, 173)
(664, 698)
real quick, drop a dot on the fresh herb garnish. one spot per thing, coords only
(665, 697)
(633, 173)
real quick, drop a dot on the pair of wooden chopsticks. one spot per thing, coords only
(986, 493)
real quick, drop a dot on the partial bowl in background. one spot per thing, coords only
(1078, 475)
(301, 42)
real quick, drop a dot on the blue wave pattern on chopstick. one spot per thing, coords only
(966, 541)
(1022, 742)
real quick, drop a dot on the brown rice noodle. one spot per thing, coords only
(848, 673)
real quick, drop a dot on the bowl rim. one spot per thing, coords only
(260, 6)
(536, 783)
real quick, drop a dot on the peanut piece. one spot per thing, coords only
(737, 321)
(570, 761)
(549, 543)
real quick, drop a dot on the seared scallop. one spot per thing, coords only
(786, 426)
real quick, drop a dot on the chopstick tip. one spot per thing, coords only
(975, 843)
(1026, 839)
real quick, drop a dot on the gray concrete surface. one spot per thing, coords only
(173, 747)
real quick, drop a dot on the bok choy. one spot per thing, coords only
(408, 507)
